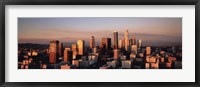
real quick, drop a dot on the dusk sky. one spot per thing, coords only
(152, 31)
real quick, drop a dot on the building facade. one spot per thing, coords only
(115, 40)
(81, 47)
(53, 50)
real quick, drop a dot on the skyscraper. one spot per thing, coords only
(148, 50)
(106, 43)
(133, 40)
(123, 43)
(115, 40)
(126, 36)
(60, 49)
(74, 49)
(68, 55)
(130, 42)
(81, 46)
(120, 44)
(53, 50)
(139, 44)
(116, 53)
(92, 42)
(134, 49)
(95, 49)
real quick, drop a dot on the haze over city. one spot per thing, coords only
(153, 31)
(100, 43)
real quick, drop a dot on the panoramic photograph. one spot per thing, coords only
(100, 43)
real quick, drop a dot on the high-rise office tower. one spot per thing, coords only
(123, 43)
(133, 40)
(53, 50)
(60, 49)
(134, 49)
(130, 42)
(148, 50)
(115, 40)
(81, 47)
(92, 42)
(68, 55)
(74, 49)
(95, 49)
(139, 44)
(120, 44)
(126, 36)
(106, 43)
(116, 53)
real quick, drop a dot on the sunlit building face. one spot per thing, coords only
(148, 50)
(68, 54)
(81, 46)
(53, 52)
(74, 49)
(116, 53)
(139, 43)
(126, 36)
(134, 49)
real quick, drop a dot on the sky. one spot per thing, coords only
(152, 31)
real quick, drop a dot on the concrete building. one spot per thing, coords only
(81, 47)
(53, 50)
(133, 40)
(139, 44)
(126, 64)
(147, 65)
(154, 65)
(92, 42)
(126, 36)
(134, 49)
(116, 54)
(75, 50)
(83, 64)
(115, 40)
(106, 43)
(148, 50)
(75, 62)
(113, 63)
(60, 49)
(68, 55)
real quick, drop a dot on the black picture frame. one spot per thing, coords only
(98, 2)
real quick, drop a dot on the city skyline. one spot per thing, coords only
(95, 43)
(127, 54)
(157, 31)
